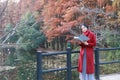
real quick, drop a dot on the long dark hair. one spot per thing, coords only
(85, 25)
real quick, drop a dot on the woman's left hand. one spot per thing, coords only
(86, 43)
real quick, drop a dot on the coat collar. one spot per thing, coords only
(86, 33)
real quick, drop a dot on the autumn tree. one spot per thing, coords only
(62, 15)
(59, 16)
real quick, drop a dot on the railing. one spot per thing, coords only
(40, 71)
(98, 63)
(69, 67)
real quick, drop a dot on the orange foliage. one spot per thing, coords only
(38, 4)
(109, 8)
(71, 13)
(61, 15)
(20, 8)
(102, 3)
(66, 15)
(81, 19)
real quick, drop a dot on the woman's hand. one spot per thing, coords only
(86, 43)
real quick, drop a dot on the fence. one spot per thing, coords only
(98, 63)
(68, 68)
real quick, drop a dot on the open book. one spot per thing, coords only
(81, 37)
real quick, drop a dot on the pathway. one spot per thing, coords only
(110, 77)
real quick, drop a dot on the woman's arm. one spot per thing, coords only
(91, 42)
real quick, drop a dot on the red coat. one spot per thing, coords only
(89, 53)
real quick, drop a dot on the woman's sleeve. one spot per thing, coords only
(92, 42)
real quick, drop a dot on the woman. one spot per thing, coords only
(86, 57)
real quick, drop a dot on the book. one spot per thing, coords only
(82, 38)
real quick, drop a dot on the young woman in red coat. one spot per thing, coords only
(86, 58)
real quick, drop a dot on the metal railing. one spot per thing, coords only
(69, 67)
(98, 63)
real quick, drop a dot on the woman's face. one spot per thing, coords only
(84, 29)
